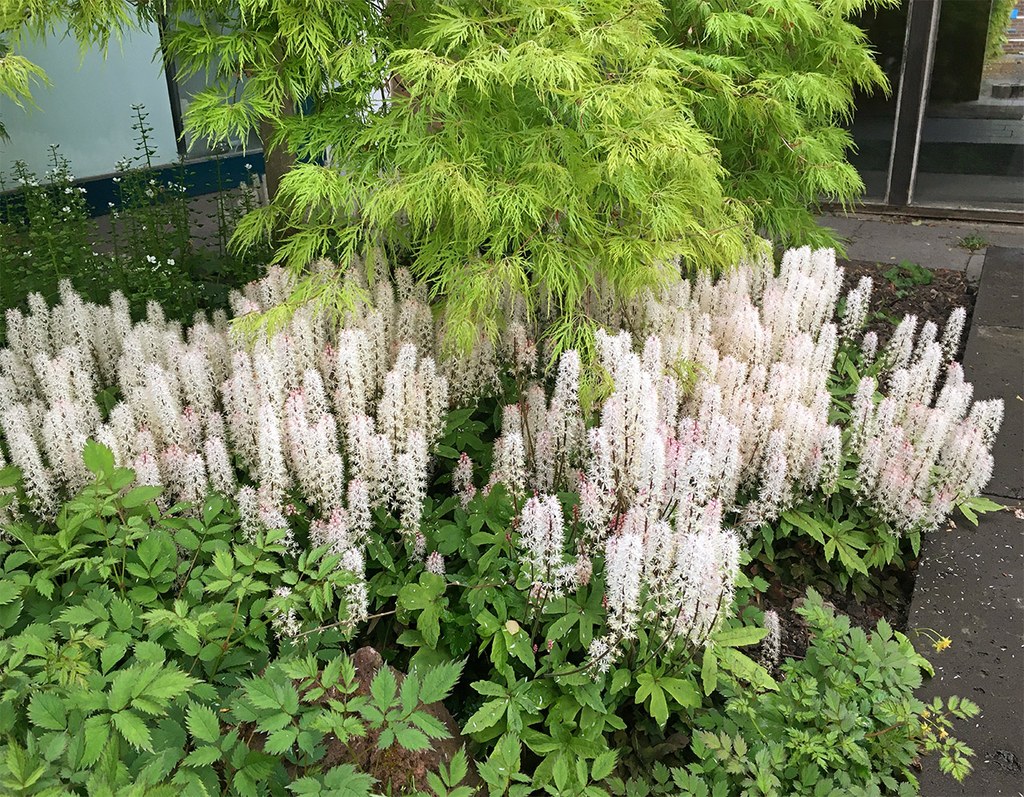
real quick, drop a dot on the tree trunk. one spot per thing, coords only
(277, 160)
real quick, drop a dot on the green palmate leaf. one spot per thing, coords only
(684, 692)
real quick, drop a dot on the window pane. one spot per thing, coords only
(875, 115)
(972, 139)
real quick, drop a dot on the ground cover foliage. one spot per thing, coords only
(200, 528)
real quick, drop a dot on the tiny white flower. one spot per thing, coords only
(170, 261)
(65, 209)
(150, 259)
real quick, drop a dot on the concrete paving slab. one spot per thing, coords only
(970, 587)
(930, 243)
(994, 363)
(1001, 297)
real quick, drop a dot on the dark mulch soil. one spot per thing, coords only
(893, 604)
(932, 302)
(889, 303)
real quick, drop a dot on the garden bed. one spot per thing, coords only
(898, 291)
(930, 294)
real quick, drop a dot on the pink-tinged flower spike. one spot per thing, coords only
(623, 563)
(955, 396)
(462, 479)
(411, 476)
(434, 563)
(901, 344)
(334, 532)
(218, 465)
(510, 464)
(869, 347)
(855, 313)
(25, 454)
(273, 475)
(987, 417)
(863, 411)
(285, 622)
(360, 518)
(774, 493)
(147, 471)
(602, 654)
(772, 643)
(248, 512)
(542, 539)
(953, 332)
(350, 374)
(709, 565)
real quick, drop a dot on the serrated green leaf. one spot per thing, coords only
(133, 729)
(439, 681)
(603, 765)
(98, 458)
(384, 688)
(485, 717)
(47, 711)
(740, 637)
(202, 723)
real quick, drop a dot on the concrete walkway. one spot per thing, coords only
(970, 582)
(929, 243)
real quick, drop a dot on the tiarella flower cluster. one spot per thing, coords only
(716, 414)
(340, 421)
(650, 506)
(921, 453)
(760, 347)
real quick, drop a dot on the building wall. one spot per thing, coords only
(87, 109)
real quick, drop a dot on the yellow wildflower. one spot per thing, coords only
(942, 643)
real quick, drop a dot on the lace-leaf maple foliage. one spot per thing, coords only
(545, 148)
(792, 68)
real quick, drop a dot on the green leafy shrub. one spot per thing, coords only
(844, 720)
(152, 251)
(136, 656)
(782, 126)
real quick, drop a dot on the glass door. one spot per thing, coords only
(971, 150)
